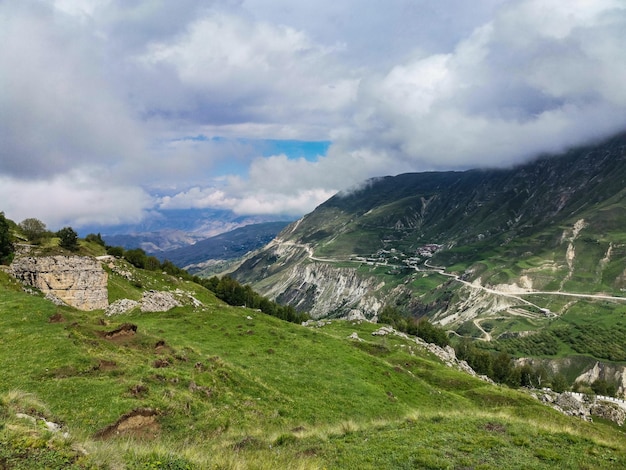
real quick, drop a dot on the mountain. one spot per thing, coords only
(168, 376)
(524, 256)
(167, 230)
(233, 244)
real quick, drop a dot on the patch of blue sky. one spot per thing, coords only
(246, 149)
(294, 149)
(310, 150)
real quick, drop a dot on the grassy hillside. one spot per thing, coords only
(214, 386)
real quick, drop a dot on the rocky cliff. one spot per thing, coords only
(322, 290)
(78, 281)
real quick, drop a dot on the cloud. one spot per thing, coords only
(150, 104)
(539, 77)
(251, 202)
(241, 71)
(73, 199)
(58, 109)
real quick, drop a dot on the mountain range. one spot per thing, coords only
(167, 230)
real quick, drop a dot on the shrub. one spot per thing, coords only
(34, 230)
(95, 238)
(116, 251)
(6, 246)
(68, 238)
(137, 257)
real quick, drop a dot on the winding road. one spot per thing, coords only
(473, 285)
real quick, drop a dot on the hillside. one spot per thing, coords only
(206, 385)
(520, 226)
(529, 259)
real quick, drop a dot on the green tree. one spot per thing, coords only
(116, 251)
(6, 245)
(559, 383)
(34, 229)
(137, 257)
(68, 238)
(152, 263)
(95, 238)
(431, 333)
(502, 366)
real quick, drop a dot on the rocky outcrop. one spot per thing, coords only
(154, 301)
(322, 289)
(121, 306)
(611, 373)
(78, 281)
(585, 406)
(158, 301)
(447, 355)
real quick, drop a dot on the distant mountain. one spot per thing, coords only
(225, 246)
(172, 229)
(556, 224)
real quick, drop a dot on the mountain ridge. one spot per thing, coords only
(519, 258)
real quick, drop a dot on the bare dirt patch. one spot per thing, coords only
(161, 347)
(495, 427)
(56, 318)
(105, 365)
(124, 332)
(141, 423)
(160, 363)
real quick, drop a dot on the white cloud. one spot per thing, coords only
(251, 202)
(540, 77)
(74, 199)
(124, 89)
(245, 71)
(58, 109)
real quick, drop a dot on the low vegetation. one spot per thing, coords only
(219, 386)
(223, 381)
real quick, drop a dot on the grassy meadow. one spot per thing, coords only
(215, 386)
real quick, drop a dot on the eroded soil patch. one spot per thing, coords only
(141, 422)
(56, 318)
(124, 332)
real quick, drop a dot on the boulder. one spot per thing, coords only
(78, 281)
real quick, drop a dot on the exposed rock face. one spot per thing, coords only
(121, 306)
(79, 281)
(585, 406)
(611, 373)
(157, 301)
(320, 288)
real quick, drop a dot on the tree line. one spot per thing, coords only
(33, 231)
(419, 327)
(225, 288)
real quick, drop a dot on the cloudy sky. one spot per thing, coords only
(111, 109)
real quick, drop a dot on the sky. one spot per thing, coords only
(111, 110)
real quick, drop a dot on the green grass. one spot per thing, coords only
(233, 388)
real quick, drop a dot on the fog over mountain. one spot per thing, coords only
(113, 111)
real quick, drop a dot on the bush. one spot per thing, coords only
(6, 246)
(68, 238)
(34, 230)
(116, 251)
(137, 257)
(95, 238)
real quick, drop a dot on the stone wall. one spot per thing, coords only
(79, 281)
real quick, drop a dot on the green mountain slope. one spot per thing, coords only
(206, 385)
(496, 224)
(531, 259)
